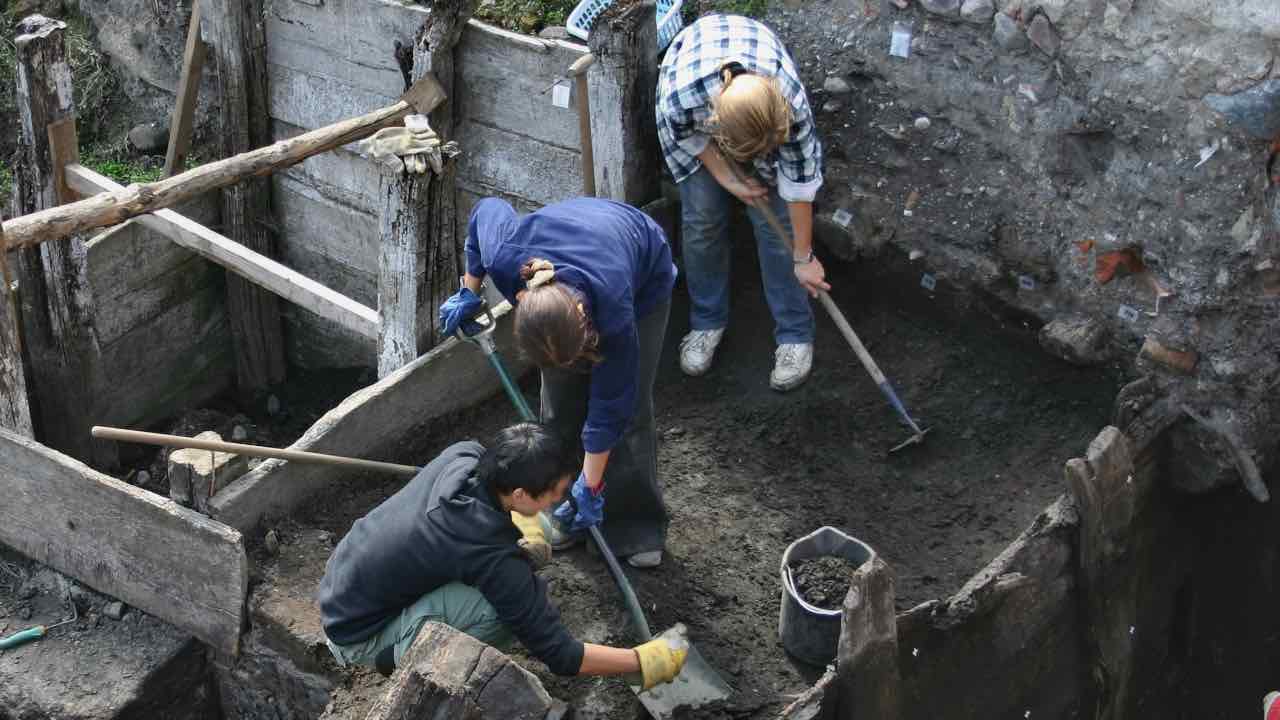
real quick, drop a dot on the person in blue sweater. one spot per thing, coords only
(591, 281)
(445, 549)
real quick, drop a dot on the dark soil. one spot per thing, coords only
(822, 582)
(747, 470)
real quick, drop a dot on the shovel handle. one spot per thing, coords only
(578, 71)
(22, 638)
(147, 438)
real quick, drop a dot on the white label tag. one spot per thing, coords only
(842, 217)
(1127, 313)
(928, 282)
(560, 95)
(1026, 282)
(900, 44)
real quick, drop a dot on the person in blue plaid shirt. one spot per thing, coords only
(728, 92)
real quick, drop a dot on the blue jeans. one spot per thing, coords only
(705, 208)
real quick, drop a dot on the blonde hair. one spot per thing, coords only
(751, 116)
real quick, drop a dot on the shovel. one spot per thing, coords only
(846, 329)
(698, 683)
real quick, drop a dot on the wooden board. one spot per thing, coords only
(184, 109)
(239, 259)
(371, 424)
(125, 542)
(15, 410)
(536, 172)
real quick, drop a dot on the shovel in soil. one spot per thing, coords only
(698, 683)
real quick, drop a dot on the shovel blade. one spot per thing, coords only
(697, 684)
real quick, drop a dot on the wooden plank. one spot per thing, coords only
(125, 542)
(184, 109)
(497, 160)
(373, 423)
(623, 127)
(15, 409)
(404, 216)
(64, 144)
(262, 271)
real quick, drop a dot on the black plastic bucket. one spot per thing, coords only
(811, 633)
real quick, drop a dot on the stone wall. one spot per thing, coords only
(1043, 153)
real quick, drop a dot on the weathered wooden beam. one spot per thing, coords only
(626, 51)
(34, 227)
(240, 46)
(184, 109)
(15, 409)
(420, 259)
(58, 310)
(263, 271)
(1110, 496)
(123, 541)
(867, 657)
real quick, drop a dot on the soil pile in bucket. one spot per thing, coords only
(822, 582)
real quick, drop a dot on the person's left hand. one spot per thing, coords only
(812, 277)
(586, 507)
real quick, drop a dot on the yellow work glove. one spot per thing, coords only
(532, 541)
(662, 658)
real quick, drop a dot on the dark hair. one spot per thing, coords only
(527, 456)
(550, 329)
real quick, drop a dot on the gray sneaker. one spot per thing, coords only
(696, 350)
(791, 365)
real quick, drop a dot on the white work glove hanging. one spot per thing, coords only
(416, 144)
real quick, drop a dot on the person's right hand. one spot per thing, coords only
(661, 659)
(458, 310)
(748, 190)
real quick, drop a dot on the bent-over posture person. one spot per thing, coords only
(591, 281)
(444, 549)
(728, 92)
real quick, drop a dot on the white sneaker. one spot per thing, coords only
(696, 350)
(791, 365)
(644, 560)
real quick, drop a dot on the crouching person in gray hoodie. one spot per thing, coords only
(445, 549)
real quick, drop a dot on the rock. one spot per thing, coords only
(836, 85)
(1029, 255)
(271, 542)
(923, 123)
(239, 434)
(1078, 340)
(1007, 35)
(114, 610)
(978, 12)
(832, 106)
(555, 32)
(942, 7)
(1042, 35)
(151, 137)
(1182, 361)
(1256, 110)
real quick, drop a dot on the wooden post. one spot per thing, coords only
(867, 656)
(56, 304)
(184, 109)
(1109, 495)
(626, 51)
(421, 256)
(15, 410)
(240, 47)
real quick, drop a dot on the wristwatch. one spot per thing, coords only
(805, 261)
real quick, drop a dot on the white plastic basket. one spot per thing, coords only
(584, 16)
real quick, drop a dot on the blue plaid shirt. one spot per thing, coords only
(689, 79)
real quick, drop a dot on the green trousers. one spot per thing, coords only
(459, 606)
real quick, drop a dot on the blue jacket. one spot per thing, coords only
(618, 260)
(444, 526)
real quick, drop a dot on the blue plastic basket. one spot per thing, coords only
(584, 16)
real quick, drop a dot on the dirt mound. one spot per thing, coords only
(822, 582)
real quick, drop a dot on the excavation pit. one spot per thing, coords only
(747, 470)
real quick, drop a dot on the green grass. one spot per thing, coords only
(525, 16)
(117, 163)
(6, 185)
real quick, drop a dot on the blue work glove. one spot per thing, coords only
(584, 509)
(458, 311)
